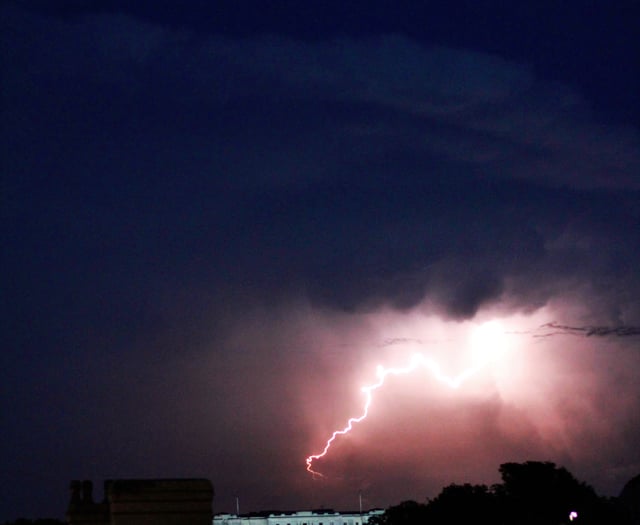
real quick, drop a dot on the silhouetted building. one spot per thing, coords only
(304, 517)
(143, 502)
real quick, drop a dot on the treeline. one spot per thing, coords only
(531, 493)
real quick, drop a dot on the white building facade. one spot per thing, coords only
(303, 517)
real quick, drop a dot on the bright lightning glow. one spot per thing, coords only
(573, 515)
(488, 344)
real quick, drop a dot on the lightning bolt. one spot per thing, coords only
(490, 330)
(416, 361)
(551, 329)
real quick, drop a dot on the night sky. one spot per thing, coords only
(217, 219)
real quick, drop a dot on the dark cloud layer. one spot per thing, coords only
(427, 159)
(189, 212)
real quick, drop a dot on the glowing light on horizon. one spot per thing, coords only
(488, 345)
(573, 515)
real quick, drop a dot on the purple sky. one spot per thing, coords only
(219, 218)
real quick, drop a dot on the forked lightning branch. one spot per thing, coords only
(488, 345)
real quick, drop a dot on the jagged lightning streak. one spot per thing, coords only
(488, 348)
(482, 338)
(551, 329)
(416, 361)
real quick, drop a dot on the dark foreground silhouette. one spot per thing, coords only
(23, 521)
(531, 493)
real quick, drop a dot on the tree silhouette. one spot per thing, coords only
(539, 492)
(531, 493)
(406, 513)
(463, 504)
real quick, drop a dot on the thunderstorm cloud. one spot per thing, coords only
(213, 238)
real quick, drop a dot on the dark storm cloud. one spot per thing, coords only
(450, 174)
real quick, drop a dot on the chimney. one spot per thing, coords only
(87, 491)
(75, 486)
